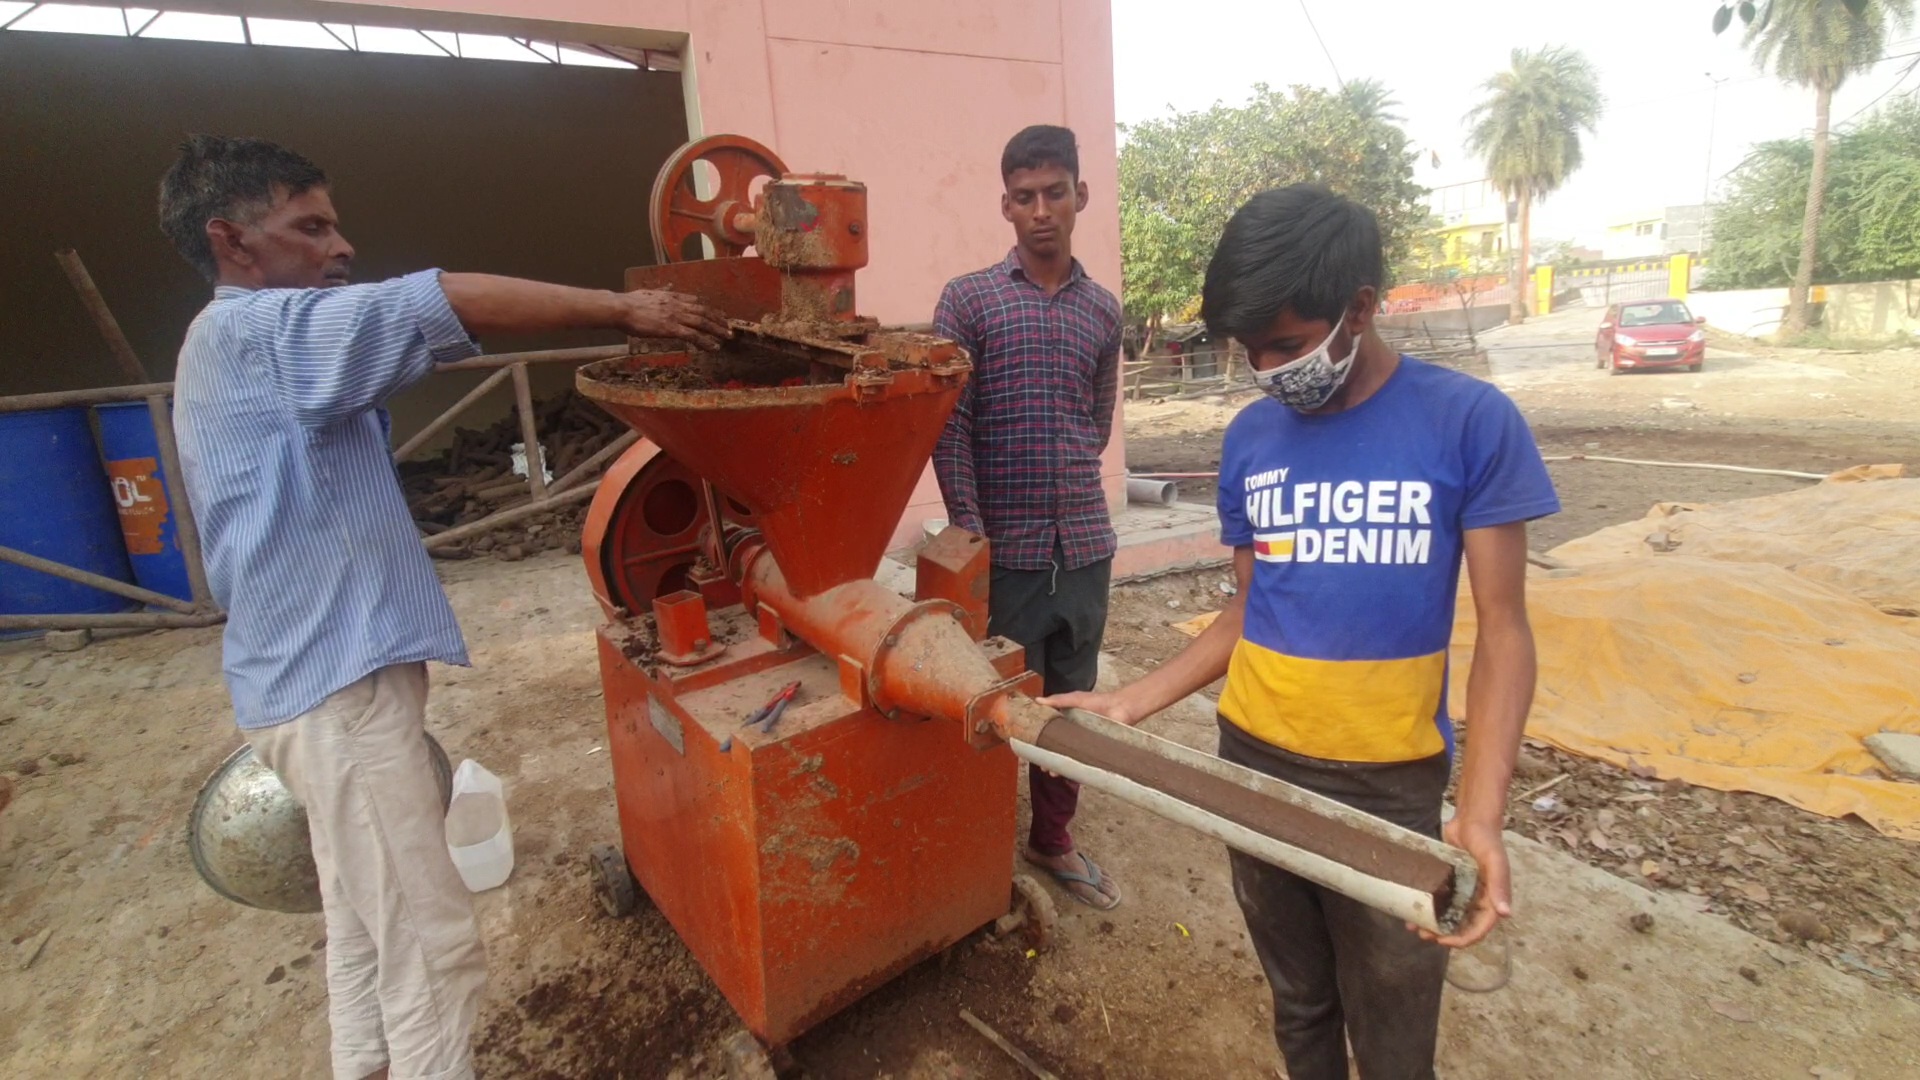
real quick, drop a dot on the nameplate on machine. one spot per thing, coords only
(667, 724)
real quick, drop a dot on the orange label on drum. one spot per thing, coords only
(142, 500)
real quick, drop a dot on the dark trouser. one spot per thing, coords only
(1059, 617)
(1341, 970)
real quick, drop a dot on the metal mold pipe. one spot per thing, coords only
(1401, 900)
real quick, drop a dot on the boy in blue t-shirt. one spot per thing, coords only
(1350, 496)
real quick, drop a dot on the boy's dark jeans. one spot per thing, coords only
(1341, 970)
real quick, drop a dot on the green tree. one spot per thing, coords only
(1870, 230)
(1426, 257)
(1528, 130)
(1819, 44)
(1161, 272)
(1878, 181)
(1756, 223)
(1371, 100)
(1183, 175)
(1761, 12)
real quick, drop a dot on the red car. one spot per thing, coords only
(1651, 334)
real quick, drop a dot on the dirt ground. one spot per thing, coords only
(128, 966)
(125, 965)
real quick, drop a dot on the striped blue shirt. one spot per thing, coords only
(285, 446)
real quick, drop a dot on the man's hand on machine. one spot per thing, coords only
(1493, 900)
(657, 313)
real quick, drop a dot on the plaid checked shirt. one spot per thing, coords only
(1020, 460)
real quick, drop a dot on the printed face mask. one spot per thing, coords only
(1311, 381)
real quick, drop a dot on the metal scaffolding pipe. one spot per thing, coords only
(185, 530)
(66, 399)
(102, 315)
(605, 454)
(538, 356)
(452, 413)
(529, 432)
(509, 515)
(130, 620)
(93, 581)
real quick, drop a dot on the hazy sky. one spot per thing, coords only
(1651, 149)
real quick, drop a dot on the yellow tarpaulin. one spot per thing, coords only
(1733, 676)
(1855, 532)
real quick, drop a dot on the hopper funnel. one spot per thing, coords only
(826, 466)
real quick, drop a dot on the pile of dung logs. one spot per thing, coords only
(474, 478)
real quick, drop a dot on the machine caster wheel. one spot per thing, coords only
(1032, 913)
(613, 883)
(747, 1059)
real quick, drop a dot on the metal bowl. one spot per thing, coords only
(248, 836)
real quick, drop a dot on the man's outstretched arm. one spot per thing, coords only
(489, 304)
(335, 353)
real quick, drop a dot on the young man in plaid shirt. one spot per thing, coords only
(1020, 460)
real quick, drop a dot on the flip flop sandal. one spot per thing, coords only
(1093, 879)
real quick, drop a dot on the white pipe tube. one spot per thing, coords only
(1400, 901)
(1689, 465)
(1150, 492)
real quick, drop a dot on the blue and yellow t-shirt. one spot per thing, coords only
(1356, 521)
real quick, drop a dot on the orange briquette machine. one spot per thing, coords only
(870, 825)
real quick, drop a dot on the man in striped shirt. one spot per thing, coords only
(333, 607)
(1019, 462)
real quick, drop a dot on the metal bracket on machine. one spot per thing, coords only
(853, 681)
(773, 628)
(979, 728)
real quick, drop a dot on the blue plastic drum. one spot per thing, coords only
(54, 503)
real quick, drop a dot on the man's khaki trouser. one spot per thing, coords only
(405, 967)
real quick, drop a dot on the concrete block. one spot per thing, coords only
(68, 640)
(1899, 753)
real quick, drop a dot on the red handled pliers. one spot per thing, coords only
(769, 714)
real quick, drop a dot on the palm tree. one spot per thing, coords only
(1528, 130)
(1371, 100)
(1818, 44)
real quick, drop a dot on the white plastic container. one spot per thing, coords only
(520, 462)
(479, 837)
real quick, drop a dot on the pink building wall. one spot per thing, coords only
(914, 97)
